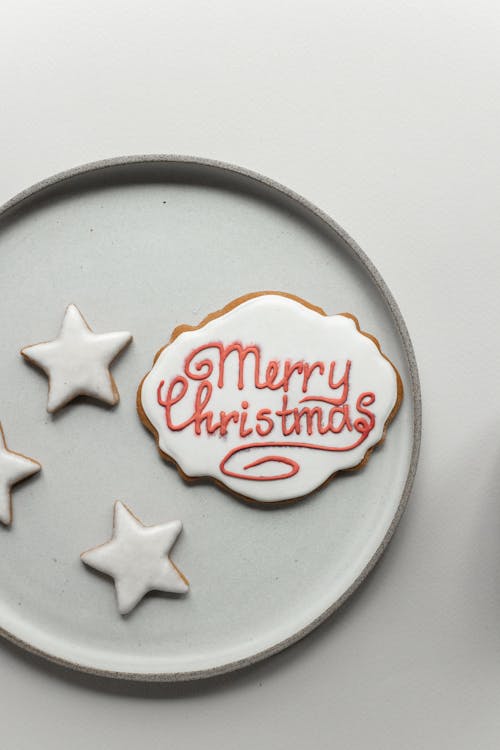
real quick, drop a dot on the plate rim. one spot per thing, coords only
(360, 255)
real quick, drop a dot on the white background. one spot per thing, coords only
(386, 115)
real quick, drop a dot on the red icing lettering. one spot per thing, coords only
(330, 410)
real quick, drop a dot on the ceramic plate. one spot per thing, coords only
(145, 244)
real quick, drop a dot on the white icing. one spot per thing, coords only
(284, 330)
(14, 467)
(77, 361)
(137, 559)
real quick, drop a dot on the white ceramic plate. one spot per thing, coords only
(145, 244)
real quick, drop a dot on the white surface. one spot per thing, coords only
(387, 116)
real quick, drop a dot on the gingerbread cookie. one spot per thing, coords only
(137, 559)
(269, 397)
(77, 361)
(14, 467)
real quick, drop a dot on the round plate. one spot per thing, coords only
(145, 244)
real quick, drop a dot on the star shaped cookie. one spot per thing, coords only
(136, 557)
(77, 361)
(14, 467)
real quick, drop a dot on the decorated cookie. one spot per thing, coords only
(77, 362)
(14, 467)
(137, 559)
(269, 397)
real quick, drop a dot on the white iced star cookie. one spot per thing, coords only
(137, 558)
(14, 467)
(77, 361)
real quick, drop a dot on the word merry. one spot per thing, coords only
(268, 376)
